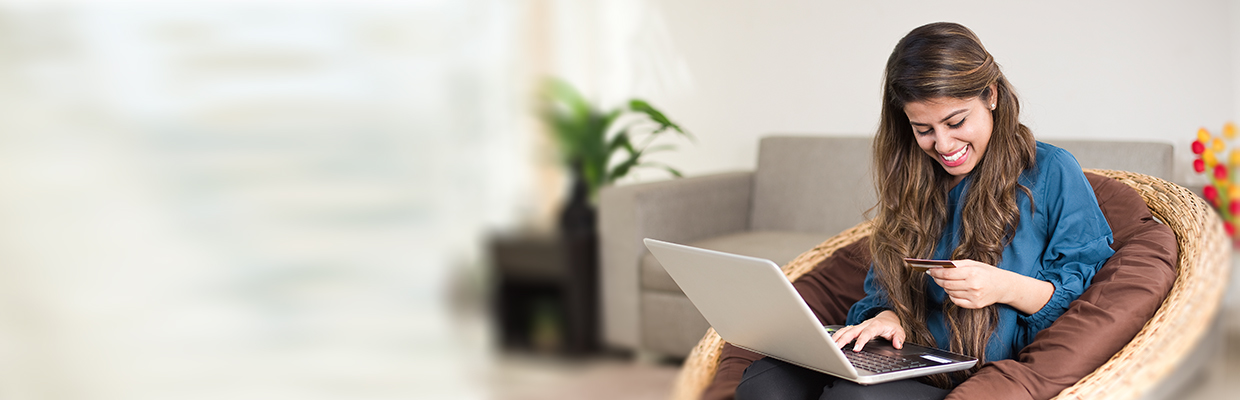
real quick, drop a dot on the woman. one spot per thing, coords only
(959, 178)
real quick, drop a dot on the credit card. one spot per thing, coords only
(921, 264)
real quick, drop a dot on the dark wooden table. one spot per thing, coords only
(545, 292)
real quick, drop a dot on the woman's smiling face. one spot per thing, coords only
(954, 132)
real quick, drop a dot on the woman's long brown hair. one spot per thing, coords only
(936, 61)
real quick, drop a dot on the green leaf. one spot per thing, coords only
(657, 116)
(564, 93)
(611, 117)
(583, 133)
(569, 116)
(621, 141)
(659, 148)
(621, 170)
(625, 166)
(592, 175)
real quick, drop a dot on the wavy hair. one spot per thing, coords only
(936, 61)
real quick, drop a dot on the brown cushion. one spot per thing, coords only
(1124, 294)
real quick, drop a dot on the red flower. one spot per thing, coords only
(1198, 147)
(1231, 229)
(1211, 193)
(1234, 207)
(1199, 165)
(1220, 172)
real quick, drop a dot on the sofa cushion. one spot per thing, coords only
(1150, 158)
(780, 247)
(812, 184)
(670, 324)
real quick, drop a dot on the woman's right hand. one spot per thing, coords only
(886, 324)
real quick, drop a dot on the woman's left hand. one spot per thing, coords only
(974, 284)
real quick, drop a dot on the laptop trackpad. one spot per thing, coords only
(939, 360)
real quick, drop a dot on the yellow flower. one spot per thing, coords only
(1203, 135)
(1234, 158)
(1217, 145)
(1229, 130)
(1208, 157)
(1233, 192)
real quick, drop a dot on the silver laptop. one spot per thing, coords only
(752, 305)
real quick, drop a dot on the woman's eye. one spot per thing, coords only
(925, 132)
(957, 125)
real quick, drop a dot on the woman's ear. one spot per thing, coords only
(994, 96)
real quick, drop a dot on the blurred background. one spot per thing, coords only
(277, 199)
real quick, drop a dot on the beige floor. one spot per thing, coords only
(528, 377)
(1225, 382)
(525, 377)
(1223, 385)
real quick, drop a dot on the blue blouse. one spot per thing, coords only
(1064, 242)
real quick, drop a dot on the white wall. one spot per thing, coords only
(1143, 70)
(260, 199)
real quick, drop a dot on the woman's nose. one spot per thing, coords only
(944, 145)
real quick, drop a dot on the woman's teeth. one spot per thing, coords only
(955, 156)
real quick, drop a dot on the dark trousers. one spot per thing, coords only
(771, 379)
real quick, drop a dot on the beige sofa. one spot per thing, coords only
(804, 190)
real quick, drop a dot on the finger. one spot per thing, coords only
(958, 288)
(844, 335)
(851, 336)
(961, 292)
(840, 333)
(964, 302)
(862, 339)
(949, 285)
(897, 339)
(968, 263)
(950, 273)
(961, 295)
(939, 275)
(964, 286)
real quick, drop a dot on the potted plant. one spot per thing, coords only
(600, 147)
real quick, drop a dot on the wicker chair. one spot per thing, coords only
(1160, 346)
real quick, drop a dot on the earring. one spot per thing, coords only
(992, 106)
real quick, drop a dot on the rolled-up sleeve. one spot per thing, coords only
(1079, 241)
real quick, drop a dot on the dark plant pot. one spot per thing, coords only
(578, 230)
(579, 216)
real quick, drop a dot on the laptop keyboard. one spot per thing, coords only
(879, 363)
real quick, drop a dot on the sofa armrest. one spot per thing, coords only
(680, 210)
